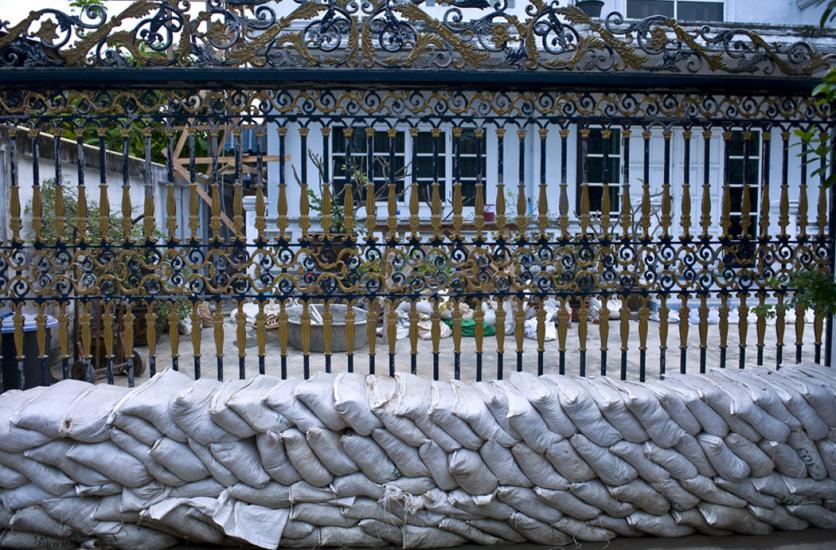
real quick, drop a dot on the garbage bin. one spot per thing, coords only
(32, 373)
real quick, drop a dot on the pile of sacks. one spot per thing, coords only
(357, 461)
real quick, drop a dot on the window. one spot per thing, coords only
(739, 171)
(359, 160)
(599, 171)
(425, 171)
(469, 164)
(683, 10)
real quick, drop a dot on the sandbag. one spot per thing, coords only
(86, 419)
(190, 411)
(352, 403)
(150, 400)
(45, 413)
(248, 403)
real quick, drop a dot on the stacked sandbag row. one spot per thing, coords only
(358, 461)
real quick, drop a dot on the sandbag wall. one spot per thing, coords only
(356, 461)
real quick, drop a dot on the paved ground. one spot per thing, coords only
(468, 355)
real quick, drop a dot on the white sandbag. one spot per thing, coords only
(353, 537)
(470, 407)
(690, 448)
(257, 525)
(811, 488)
(693, 518)
(526, 501)
(412, 485)
(356, 485)
(150, 400)
(634, 454)
(721, 402)
(380, 530)
(208, 487)
(658, 525)
(248, 402)
(352, 403)
(567, 503)
(142, 452)
(26, 495)
(303, 459)
(538, 532)
(818, 395)
(537, 469)
(34, 519)
(469, 532)
(406, 458)
(111, 461)
(190, 411)
(54, 454)
(708, 491)
(367, 508)
(612, 406)
(595, 494)
(326, 445)
(581, 531)
(179, 459)
(759, 463)
(794, 402)
(442, 401)
(493, 395)
(302, 491)
(78, 513)
(139, 429)
(487, 506)
(501, 462)
(471, 472)
(369, 457)
(499, 529)
(774, 485)
(274, 459)
(12, 438)
(86, 419)
(137, 537)
(435, 459)
(815, 515)
(317, 394)
(746, 490)
(33, 541)
(568, 463)
(582, 410)
(739, 520)
(50, 479)
(827, 452)
(45, 412)
(710, 422)
(643, 496)
(679, 498)
(183, 516)
(658, 424)
(282, 398)
(404, 428)
(273, 495)
(11, 478)
(526, 421)
(779, 518)
(676, 407)
(785, 458)
(103, 490)
(217, 470)
(544, 397)
(410, 401)
(321, 515)
(242, 459)
(224, 416)
(297, 530)
(676, 465)
(438, 502)
(808, 453)
(727, 464)
(744, 407)
(753, 380)
(611, 469)
(619, 526)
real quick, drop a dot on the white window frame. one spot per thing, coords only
(676, 7)
(755, 150)
(338, 176)
(616, 180)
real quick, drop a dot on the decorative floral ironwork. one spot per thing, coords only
(380, 34)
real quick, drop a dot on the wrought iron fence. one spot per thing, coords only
(616, 208)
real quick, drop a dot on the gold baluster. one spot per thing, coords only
(784, 205)
(705, 218)
(15, 222)
(371, 325)
(764, 213)
(391, 326)
(800, 320)
(500, 325)
(60, 219)
(519, 325)
(148, 209)
(413, 328)
(305, 327)
(81, 201)
(435, 327)
(479, 319)
(391, 210)
(86, 336)
(349, 328)
(645, 210)
(326, 208)
(37, 200)
(562, 326)
(194, 211)
(20, 354)
(542, 200)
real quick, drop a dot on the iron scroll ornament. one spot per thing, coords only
(386, 34)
